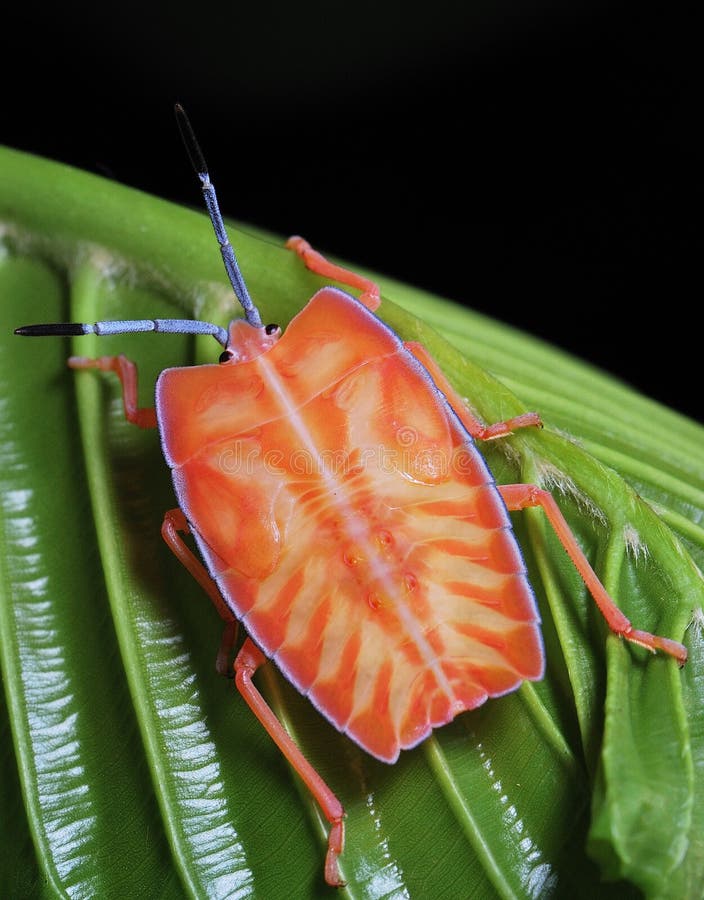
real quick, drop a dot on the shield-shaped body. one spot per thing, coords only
(352, 526)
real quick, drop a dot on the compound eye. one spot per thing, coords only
(271, 329)
(225, 356)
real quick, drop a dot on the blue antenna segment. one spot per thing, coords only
(167, 326)
(127, 326)
(195, 154)
(228, 254)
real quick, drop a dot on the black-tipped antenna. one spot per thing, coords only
(51, 330)
(126, 326)
(228, 254)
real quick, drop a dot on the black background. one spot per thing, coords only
(537, 161)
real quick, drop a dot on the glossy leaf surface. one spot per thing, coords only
(131, 768)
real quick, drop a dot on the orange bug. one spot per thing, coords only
(330, 479)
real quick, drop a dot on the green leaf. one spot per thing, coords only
(133, 769)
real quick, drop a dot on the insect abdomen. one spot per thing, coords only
(361, 540)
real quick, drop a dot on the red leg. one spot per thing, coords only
(175, 522)
(248, 661)
(476, 428)
(317, 263)
(126, 371)
(521, 496)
